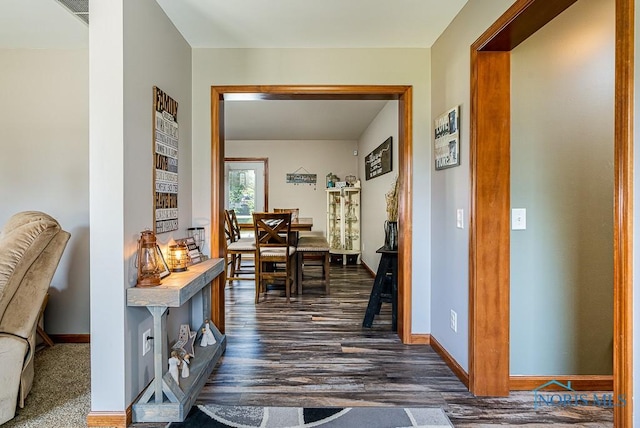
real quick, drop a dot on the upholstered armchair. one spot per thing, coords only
(31, 245)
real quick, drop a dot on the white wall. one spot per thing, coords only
(323, 66)
(450, 187)
(44, 117)
(317, 157)
(373, 203)
(562, 82)
(133, 47)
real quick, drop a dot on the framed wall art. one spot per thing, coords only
(447, 139)
(165, 152)
(380, 160)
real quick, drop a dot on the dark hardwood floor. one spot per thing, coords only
(314, 352)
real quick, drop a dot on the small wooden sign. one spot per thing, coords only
(379, 161)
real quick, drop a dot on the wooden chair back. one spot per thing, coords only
(295, 212)
(272, 229)
(272, 234)
(229, 233)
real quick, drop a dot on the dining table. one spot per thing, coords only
(297, 225)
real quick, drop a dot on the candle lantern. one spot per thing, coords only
(148, 263)
(178, 257)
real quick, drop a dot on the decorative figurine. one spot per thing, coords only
(186, 339)
(185, 365)
(174, 361)
(207, 335)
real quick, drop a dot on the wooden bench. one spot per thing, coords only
(313, 246)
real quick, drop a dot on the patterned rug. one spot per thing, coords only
(296, 417)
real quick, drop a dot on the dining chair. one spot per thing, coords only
(295, 212)
(236, 247)
(272, 236)
(309, 247)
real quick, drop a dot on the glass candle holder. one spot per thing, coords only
(178, 257)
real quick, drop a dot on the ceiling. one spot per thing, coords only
(311, 23)
(45, 24)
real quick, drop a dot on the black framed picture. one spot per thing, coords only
(380, 160)
(164, 269)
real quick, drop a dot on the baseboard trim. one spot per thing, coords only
(578, 382)
(110, 419)
(450, 361)
(371, 272)
(71, 338)
(419, 339)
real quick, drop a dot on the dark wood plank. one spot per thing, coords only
(314, 352)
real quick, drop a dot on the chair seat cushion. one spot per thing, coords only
(313, 244)
(276, 252)
(242, 245)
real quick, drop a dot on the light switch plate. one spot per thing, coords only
(460, 218)
(518, 219)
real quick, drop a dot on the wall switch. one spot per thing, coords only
(518, 219)
(146, 342)
(355, 153)
(460, 218)
(454, 321)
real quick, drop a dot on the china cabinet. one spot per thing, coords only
(343, 222)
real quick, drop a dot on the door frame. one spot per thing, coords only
(402, 93)
(489, 274)
(265, 162)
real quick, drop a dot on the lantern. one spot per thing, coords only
(148, 263)
(178, 257)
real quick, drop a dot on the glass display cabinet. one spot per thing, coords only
(343, 222)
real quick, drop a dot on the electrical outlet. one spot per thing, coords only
(146, 342)
(454, 321)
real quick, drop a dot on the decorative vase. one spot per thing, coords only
(391, 235)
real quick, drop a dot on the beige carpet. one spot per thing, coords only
(61, 393)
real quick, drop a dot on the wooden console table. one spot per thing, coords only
(164, 400)
(385, 288)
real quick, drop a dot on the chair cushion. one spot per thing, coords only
(242, 246)
(276, 252)
(13, 352)
(313, 244)
(22, 240)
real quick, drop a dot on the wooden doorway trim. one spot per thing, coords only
(490, 165)
(401, 93)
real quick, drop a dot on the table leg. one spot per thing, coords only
(394, 293)
(159, 346)
(376, 291)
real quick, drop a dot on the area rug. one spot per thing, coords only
(328, 417)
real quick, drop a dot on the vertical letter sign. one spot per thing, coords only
(165, 149)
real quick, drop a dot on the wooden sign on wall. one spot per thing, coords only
(379, 161)
(165, 151)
